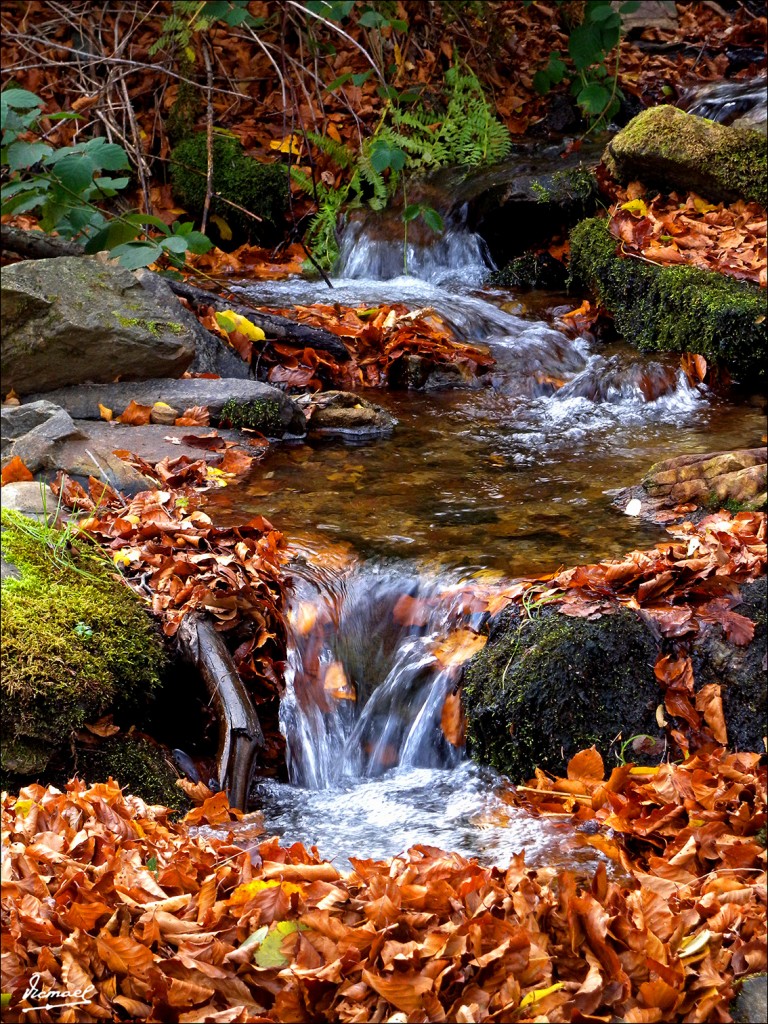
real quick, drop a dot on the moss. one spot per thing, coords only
(673, 308)
(259, 188)
(77, 644)
(141, 768)
(574, 188)
(155, 327)
(672, 149)
(263, 415)
(544, 688)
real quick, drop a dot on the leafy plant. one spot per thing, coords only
(64, 184)
(411, 141)
(593, 82)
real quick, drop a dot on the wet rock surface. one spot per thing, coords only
(342, 412)
(74, 319)
(547, 686)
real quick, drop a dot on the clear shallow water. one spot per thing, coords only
(511, 479)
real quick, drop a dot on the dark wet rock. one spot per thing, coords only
(751, 1004)
(666, 147)
(275, 411)
(739, 670)
(74, 319)
(545, 687)
(342, 412)
(616, 380)
(677, 309)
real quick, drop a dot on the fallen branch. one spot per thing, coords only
(240, 734)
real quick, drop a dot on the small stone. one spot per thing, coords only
(163, 414)
(634, 507)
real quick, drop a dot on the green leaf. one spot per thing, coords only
(5, 999)
(362, 77)
(268, 953)
(593, 99)
(584, 46)
(133, 255)
(384, 155)
(433, 219)
(411, 212)
(372, 19)
(116, 233)
(541, 82)
(629, 7)
(198, 243)
(74, 171)
(341, 80)
(22, 202)
(556, 69)
(107, 156)
(174, 243)
(20, 99)
(600, 11)
(333, 10)
(21, 155)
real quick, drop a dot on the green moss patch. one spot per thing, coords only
(263, 415)
(259, 188)
(77, 644)
(544, 688)
(141, 767)
(677, 308)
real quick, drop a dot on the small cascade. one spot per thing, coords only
(364, 690)
(384, 247)
(726, 101)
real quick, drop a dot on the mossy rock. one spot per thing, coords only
(679, 309)
(668, 148)
(531, 270)
(141, 767)
(262, 414)
(546, 687)
(259, 188)
(77, 645)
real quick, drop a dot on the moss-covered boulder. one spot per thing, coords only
(76, 645)
(140, 766)
(673, 308)
(261, 189)
(735, 480)
(546, 687)
(668, 148)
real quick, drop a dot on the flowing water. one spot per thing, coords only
(514, 477)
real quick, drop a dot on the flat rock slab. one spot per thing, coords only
(30, 498)
(268, 410)
(345, 413)
(152, 443)
(74, 319)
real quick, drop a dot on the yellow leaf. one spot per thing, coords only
(541, 993)
(693, 944)
(636, 206)
(249, 889)
(105, 413)
(336, 683)
(640, 770)
(122, 557)
(23, 807)
(702, 206)
(224, 229)
(230, 321)
(290, 144)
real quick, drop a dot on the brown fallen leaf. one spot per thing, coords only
(195, 416)
(453, 721)
(136, 415)
(15, 471)
(458, 647)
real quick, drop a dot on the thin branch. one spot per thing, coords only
(208, 138)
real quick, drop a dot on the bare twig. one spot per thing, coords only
(208, 137)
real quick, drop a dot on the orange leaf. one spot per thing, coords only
(402, 990)
(336, 683)
(459, 647)
(587, 764)
(453, 721)
(15, 471)
(196, 416)
(709, 701)
(105, 413)
(136, 415)
(124, 955)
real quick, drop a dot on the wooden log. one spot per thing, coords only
(38, 245)
(272, 324)
(240, 734)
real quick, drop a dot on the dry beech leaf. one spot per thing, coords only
(453, 721)
(587, 764)
(458, 647)
(196, 416)
(103, 727)
(135, 415)
(14, 471)
(105, 413)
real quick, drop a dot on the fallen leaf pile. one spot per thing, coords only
(164, 921)
(726, 237)
(382, 341)
(251, 261)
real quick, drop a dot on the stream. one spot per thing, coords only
(514, 477)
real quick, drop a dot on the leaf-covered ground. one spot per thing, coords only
(158, 921)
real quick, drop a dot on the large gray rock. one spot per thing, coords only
(75, 319)
(751, 1004)
(33, 432)
(31, 498)
(262, 407)
(211, 353)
